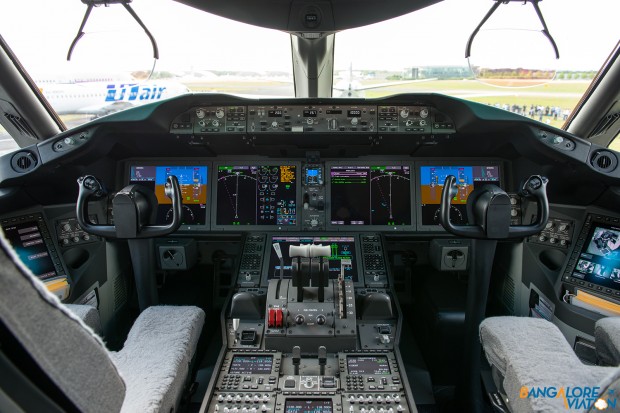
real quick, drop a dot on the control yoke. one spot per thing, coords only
(134, 209)
(489, 210)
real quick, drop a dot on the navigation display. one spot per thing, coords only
(599, 261)
(370, 195)
(468, 178)
(251, 365)
(256, 195)
(377, 365)
(27, 241)
(193, 182)
(308, 406)
(341, 248)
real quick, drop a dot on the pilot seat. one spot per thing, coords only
(52, 361)
(528, 354)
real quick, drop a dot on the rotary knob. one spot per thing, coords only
(424, 113)
(200, 113)
(219, 113)
(320, 319)
(274, 124)
(354, 121)
(404, 113)
(299, 319)
(215, 123)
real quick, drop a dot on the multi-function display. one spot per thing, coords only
(468, 178)
(370, 195)
(599, 261)
(27, 242)
(308, 406)
(251, 364)
(376, 365)
(340, 247)
(193, 182)
(256, 195)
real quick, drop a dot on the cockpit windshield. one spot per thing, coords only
(112, 67)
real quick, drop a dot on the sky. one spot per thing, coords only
(40, 32)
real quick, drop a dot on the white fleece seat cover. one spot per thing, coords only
(533, 353)
(155, 359)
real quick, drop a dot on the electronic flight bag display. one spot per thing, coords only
(599, 260)
(370, 195)
(468, 178)
(193, 183)
(256, 195)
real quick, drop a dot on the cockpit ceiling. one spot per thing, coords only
(301, 16)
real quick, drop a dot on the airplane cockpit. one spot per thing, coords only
(183, 249)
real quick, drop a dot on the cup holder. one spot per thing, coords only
(76, 257)
(552, 259)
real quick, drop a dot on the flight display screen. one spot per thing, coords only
(599, 261)
(341, 248)
(251, 365)
(27, 241)
(308, 406)
(193, 183)
(370, 195)
(468, 178)
(377, 365)
(256, 195)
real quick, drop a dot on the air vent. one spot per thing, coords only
(604, 161)
(23, 162)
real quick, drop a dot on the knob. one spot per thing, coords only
(351, 399)
(361, 399)
(542, 238)
(369, 399)
(299, 319)
(422, 122)
(202, 123)
(274, 124)
(404, 113)
(314, 222)
(354, 121)
(376, 278)
(553, 240)
(351, 409)
(253, 410)
(219, 113)
(363, 410)
(400, 408)
(563, 243)
(372, 410)
(256, 399)
(263, 408)
(238, 398)
(65, 241)
(379, 399)
(226, 410)
(69, 141)
(229, 398)
(309, 121)
(234, 410)
(66, 227)
(549, 225)
(245, 410)
(266, 398)
(215, 123)
(424, 113)
(200, 113)
(86, 237)
(396, 398)
(513, 213)
(388, 399)
(248, 399)
(558, 140)
(320, 319)
(75, 239)
(220, 398)
(563, 227)
(308, 384)
(513, 201)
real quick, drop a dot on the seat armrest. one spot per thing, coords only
(607, 340)
(88, 314)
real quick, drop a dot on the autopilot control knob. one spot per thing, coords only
(354, 121)
(320, 319)
(314, 222)
(299, 319)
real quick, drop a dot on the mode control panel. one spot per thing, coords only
(404, 119)
(211, 119)
(251, 260)
(558, 232)
(317, 119)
